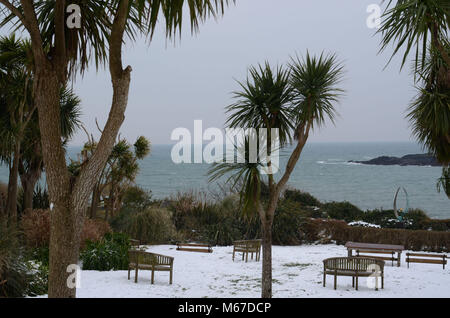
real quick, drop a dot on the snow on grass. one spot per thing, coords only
(297, 272)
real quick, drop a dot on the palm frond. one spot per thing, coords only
(315, 81)
(409, 24)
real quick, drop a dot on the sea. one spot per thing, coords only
(323, 170)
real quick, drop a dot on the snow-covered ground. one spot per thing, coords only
(297, 272)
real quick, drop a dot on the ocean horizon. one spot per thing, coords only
(323, 170)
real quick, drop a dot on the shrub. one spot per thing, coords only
(37, 278)
(153, 226)
(40, 255)
(94, 230)
(287, 222)
(36, 228)
(13, 273)
(304, 198)
(111, 253)
(40, 198)
(343, 211)
(215, 223)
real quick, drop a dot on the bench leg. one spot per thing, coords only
(324, 279)
(233, 254)
(136, 275)
(399, 259)
(382, 280)
(246, 257)
(153, 276)
(357, 282)
(353, 281)
(335, 282)
(171, 277)
(129, 269)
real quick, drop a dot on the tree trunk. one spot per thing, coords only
(94, 202)
(28, 192)
(266, 282)
(64, 241)
(69, 196)
(11, 203)
(29, 176)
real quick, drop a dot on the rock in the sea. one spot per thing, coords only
(409, 160)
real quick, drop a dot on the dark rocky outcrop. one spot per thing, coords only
(409, 160)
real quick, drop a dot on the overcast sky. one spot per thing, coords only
(173, 85)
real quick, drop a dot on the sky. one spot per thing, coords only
(192, 78)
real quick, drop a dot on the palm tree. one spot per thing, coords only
(424, 25)
(17, 109)
(411, 23)
(21, 146)
(294, 101)
(60, 52)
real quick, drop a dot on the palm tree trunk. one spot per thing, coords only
(28, 191)
(266, 282)
(64, 242)
(11, 203)
(71, 197)
(94, 202)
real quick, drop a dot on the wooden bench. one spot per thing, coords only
(194, 247)
(391, 258)
(376, 249)
(247, 247)
(355, 267)
(432, 258)
(149, 261)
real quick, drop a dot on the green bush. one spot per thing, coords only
(40, 255)
(37, 273)
(287, 223)
(13, 272)
(111, 253)
(151, 226)
(343, 211)
(304, 198)
(218, 223)
(222, 223)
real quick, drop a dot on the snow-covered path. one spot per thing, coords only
(297, 272)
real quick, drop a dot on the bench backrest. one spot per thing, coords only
(374, 251)
(248, 243)
(146, 258)
(352, 263)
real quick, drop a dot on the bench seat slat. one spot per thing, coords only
(193, 245)
(426, 255)
(430, 261)
(194, 250)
